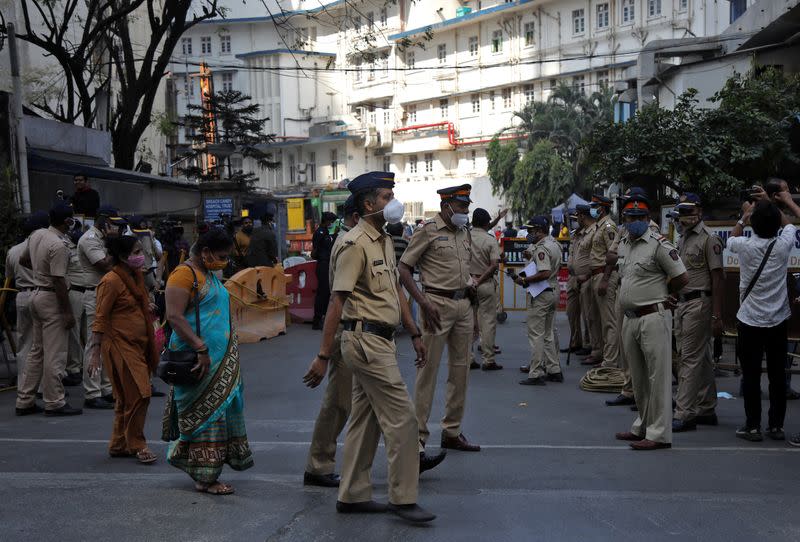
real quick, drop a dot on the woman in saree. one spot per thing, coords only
(122, 336)
(205, 420)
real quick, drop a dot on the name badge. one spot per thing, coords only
(377, 262)
(442, 238)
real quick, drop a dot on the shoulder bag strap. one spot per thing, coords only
(758, 272)
(196, 295)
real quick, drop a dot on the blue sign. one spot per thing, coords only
(214, 207)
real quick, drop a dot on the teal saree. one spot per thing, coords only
(205, 423)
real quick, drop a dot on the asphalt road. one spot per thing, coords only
(550, 469)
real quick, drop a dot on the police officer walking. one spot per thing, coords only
(442, 250)
(604, 284)
(652, 273)
(367, 300)
(698, 316)
(483, 268)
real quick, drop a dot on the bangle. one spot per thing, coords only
(715, 317)
(203, 350)
(740, 222)
(324, 358)
(416, 336)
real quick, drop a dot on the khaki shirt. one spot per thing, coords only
(23, 277)
(441, 253)
(583, 250)
(335, 250)
(91, 249)
(646, 265)
(76, 274)
(49, 253)
(547, 256)
(366, 268)
(485, 251)
(603, 238)
(701, 252)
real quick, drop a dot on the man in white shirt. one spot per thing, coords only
(764, 307)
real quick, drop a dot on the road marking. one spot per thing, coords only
(288, 443)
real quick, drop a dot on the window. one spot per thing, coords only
(628, 11)
(476, 103)
(188, 86)
(384, 16)
(529, 93)
(529, 35)
(357, 72)
(473, 157)
(443, 108)
(428, 162)
(410, 62)
(497, 41)
(335, 164)
(441, 53)
(738, 7)
(506, 98)
(205, 45)
(602, 78)
(383, 65)
(492, 104)
(578, 83)
(311, 167)
(473, 46)
(387, 163)
(227, 82)
(553, 84)
(186, 46)
(292, 169)
(653, 8)
(372, 115)
(225, 44)
(683, 5)
(412, 113)
(371, 71)
(578, 22)
(387, 114)
(370, 19)
(602, 15)
(412, 163)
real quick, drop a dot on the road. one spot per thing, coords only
(550, 469)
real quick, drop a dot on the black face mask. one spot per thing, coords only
(247, 229)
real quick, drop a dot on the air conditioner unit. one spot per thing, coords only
(301, 177)
(371, 138)
(386, 136)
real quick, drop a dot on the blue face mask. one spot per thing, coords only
(594, 212)
(637, 228)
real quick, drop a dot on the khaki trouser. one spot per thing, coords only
(24, 331)
(130, 413)
(608, 318)
(544, 351)
(487, 318)
(456, 333)
(574, 313)
(697, 389)
(627, 385)
(592, 315)
(381, 404)
(100, 384)
(47, 359)
(333, 413)
(76, 334)
(648, 348)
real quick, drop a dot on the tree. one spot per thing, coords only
(10, 212)
(231, 122)
(542, 179)
(105, 40)
(502, 158)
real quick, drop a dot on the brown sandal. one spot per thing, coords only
(217, 488)
(145, 456)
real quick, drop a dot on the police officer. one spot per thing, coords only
(442, 250)
(337, 400)
(322, 243)
(367, 300)
(652, 273)
(546, 254)
(698, 316)
(48, 253)
(483, 268)
(604, 285)
(583, 271)
(576, 328)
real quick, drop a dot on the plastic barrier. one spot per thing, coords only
(260, 303)
(301, 290)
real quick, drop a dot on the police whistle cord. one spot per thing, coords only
(603, 380)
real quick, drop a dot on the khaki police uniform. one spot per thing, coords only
(442, 255)
(603, 239)
(701, 252)
(23, 283)
(91, 249)
(576, 327)
(583, 266)
(485, 252)
(646, 265)
(541, 310)
(77, 335)
(366, 269)
(47, 360)
(337, 401)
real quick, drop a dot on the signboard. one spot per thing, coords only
(513, 247)
(731, 260)
(213, 208)
(295, 214)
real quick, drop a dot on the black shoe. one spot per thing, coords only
(155, 392)
(109, 398)
(35, 409)
(775, 433)
(427, 462)
(365, 507)
(65, 410)
(751, 434)
(555, 377)
(491, 367)
(321, 480)
(583, 352)
(98, 403)
(620, 400)
(316, 326)
(634, 408)
(411, 512)
(792, 395)
(708, 419)
(681, 426)
(524, 369)
(72, 380)
(39, 394)
(474, 365)
(573, 350)
(539, 381)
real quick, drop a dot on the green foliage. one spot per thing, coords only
(542, 179)
(10, 229)
(502, 158)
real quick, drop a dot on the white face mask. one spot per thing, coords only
(392, 213)
(459, 220)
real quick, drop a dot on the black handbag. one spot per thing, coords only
(175, 366)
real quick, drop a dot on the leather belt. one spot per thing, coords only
(45, 289)
(81, 289)
(26, 289)
(451, 294)
(598, 270)
(375, 328)
(644, 311)
(694, 295)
